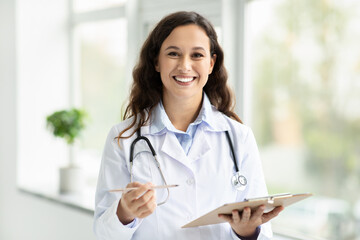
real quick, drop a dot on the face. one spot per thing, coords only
(184, 63)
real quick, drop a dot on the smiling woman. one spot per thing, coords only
(181, 96)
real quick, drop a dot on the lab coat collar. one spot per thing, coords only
(209, 117)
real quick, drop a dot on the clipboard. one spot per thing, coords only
(270, 203)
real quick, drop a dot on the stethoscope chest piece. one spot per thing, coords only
(239, 181)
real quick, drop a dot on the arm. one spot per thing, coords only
(111, 212)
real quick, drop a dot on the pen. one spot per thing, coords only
(134, 188)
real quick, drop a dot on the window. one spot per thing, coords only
(42, 87)
(303, 63)
(62, 65)
(101, 50)
(89, 5)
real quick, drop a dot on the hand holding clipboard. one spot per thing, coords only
(270, 203)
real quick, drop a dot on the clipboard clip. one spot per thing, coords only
(270, 199)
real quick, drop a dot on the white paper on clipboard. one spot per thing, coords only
(270, 203)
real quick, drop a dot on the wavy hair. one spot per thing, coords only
(147, 89)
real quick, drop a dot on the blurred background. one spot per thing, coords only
(293, 65)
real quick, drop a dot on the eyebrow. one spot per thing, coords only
(177, 48)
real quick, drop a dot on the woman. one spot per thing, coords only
(180, 101)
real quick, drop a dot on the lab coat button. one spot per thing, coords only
(190, 181)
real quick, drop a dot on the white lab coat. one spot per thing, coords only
(204, 176)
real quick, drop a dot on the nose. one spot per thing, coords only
(184, 64)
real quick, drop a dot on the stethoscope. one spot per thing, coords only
(238, 180)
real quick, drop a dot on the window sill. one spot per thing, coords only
(83, 201)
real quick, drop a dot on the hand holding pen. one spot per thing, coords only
(137, 203)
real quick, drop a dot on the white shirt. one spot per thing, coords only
(204, 176)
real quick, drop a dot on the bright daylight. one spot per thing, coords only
(157, 119)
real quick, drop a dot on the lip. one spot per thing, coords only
(184, 78)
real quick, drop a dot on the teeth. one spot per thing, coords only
(182, 79)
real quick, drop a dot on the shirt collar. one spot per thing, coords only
(209, 117)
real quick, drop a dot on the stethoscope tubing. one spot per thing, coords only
(139, 137)
(238, 180)
(232, 151)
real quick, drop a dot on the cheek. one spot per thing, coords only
(206, 69)
(165, 67)
(163, 77)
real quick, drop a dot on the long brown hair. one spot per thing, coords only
(146, 90)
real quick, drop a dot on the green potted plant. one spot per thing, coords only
(68, 124)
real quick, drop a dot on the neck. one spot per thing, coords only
(182, 112)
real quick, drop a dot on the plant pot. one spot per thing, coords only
(71, 180)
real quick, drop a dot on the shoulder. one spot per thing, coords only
(221, 122)
(239, 131)
(116, 129)
(121, 126)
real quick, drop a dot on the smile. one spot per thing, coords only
(184, 79)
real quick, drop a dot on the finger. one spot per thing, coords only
(270, 215)
(235, 216)
(143, 200)
(146, 199)
(145, 214)
(258, 213)
(131, 185)
(226, 217)
(131, 196)
(245, 217)
(148, 207)
(137, 193)
(137, 207)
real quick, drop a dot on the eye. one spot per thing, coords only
(173, 54)
(198, 55)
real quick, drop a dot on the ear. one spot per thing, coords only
(157, 68)
(212, 63)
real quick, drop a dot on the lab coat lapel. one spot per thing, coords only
(173, 149)
(200, 145)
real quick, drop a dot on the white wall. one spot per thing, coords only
(23, 216)
(42, 87)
